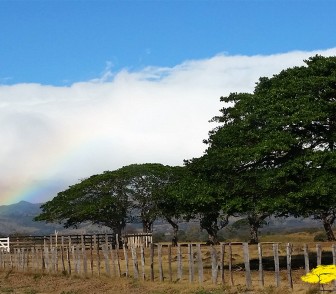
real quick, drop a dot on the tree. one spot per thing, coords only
(196, 200)
(170, 204)
(130, 193)
(302, 108)
(146, 186)
(100, 199)
(236, 165)
(274, 151)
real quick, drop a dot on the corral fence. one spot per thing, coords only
(56, 240)
(259, 265)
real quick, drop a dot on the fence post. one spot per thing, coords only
(135, 262)
(222, 255)
(106, 259)
(247, 265)
(179, 263)
(84, 257)
(170, 270)
(214, 265)
(191, 263)
(151, 252)
(306, 258)
(126, 259)
(333, 250)
(62, 254)
(318, 254)
(77, 256)
(98, 254)
(142, 253)
(276, 264)
(118, 260)
(261, 271)
(113, 261)
(200, 264)
(230, 265)
(289, 249)
(160, 262)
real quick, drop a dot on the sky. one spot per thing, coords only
(89, 86)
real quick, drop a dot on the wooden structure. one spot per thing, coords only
(4, 244)
(133, 240)
(138, 239)
(220, 264)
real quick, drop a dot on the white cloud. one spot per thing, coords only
(58, 135)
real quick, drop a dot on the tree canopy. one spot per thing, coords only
(274, 151)
(112, 198)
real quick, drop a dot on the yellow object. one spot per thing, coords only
(322, 274)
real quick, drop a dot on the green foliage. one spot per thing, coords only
(147, 192)
(130, 193)
(100, 199)
(320, 237)
(274, 152)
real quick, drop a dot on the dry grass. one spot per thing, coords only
(300, 237)
(38, 282)
(24, 283)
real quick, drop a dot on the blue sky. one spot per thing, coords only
(62, 42)
(89, 86)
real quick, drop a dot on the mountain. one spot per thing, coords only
(17, 219)
(22, 208)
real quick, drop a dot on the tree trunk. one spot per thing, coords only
(147, 226)
(254, 238)
(213, 237)
(255, 222)
(209, 223)
(175, 230)
(327, 224)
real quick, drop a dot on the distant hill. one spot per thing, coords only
(18, 219)
(22, 208)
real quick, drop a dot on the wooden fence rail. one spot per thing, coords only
(227, 263)
(56, 240)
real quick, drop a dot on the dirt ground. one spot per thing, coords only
(33, 283)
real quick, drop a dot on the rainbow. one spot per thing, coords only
(47, 186)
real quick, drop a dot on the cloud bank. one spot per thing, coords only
(53, 136)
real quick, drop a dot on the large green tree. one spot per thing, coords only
(100, 199)
(146, 192)
(274, 151)
(236, 164)
(301, 108)
(195, 199)
(129, 194)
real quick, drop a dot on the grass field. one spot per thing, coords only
(12, 281)
(24, 283)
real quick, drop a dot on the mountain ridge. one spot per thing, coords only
(17, 219)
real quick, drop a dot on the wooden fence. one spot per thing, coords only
(228, 263)
(56, 240)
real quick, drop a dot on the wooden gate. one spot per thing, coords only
(4, 244)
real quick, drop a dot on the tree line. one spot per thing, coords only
(271, 153)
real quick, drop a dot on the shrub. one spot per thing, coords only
(320, 237)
